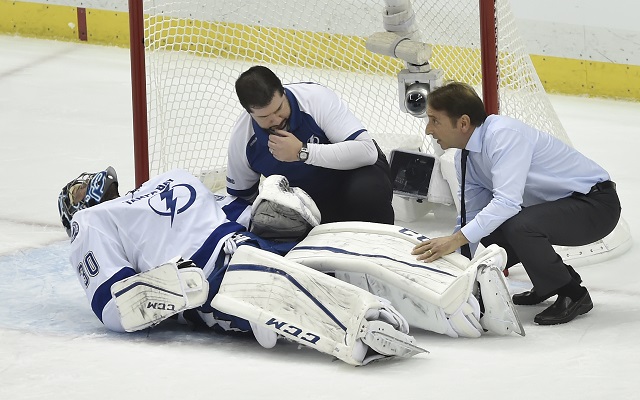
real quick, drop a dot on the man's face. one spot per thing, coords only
(444, 131)
(275, 115)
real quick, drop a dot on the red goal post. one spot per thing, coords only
(138, 92)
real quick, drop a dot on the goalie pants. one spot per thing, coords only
(572, 221)
(361, 194)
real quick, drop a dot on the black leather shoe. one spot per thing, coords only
(564, 310)
(528, 298)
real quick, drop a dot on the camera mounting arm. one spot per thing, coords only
(394, 45)
(398, 17)
(418, 79)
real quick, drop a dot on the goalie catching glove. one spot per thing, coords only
(281, 298)
(281, 212)
(147, 298)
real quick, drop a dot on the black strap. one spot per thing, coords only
(465, 249)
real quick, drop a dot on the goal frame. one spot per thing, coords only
(488, 55)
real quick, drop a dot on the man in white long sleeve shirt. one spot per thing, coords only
(306, 133)
(525, 191)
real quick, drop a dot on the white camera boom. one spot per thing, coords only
(418, 79)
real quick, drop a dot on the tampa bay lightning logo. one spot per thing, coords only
(173, 200)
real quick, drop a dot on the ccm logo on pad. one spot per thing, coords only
(294, 331)
(162, 306)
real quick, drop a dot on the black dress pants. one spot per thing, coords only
(361, 194)
(573, 221)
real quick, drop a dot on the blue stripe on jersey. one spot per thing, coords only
(343, 251)
(203, 254)
(302, 125)
(102, 295)
(234, 209)
(246, 193)
(355, 134)
(271, 270)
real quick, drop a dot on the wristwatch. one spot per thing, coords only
(304, 154)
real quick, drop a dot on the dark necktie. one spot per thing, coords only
(465, 249)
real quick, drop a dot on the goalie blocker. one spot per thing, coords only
(453, 295)
(281, 298)
(148, 298)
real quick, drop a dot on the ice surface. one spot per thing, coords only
(66, 108)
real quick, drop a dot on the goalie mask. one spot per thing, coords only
(86, 191)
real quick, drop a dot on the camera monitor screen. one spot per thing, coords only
(411, 173)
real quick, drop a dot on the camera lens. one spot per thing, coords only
(416, 99)
(416, 103)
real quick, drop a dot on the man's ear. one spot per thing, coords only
(464, 124)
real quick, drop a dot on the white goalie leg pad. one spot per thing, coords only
(465, 321)
(377, 258)
(437, 296)
(146, 299)
(499, 316)
(310, 308)
(282, 212)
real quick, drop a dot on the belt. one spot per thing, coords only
(603, 186)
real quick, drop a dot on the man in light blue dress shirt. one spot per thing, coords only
(525, 191)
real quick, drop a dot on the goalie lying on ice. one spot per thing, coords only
(120, 247)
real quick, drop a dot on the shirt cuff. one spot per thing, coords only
(472, 232)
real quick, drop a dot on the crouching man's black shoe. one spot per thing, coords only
(528, 298)
(564, 310)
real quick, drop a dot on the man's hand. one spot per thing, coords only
(284, 145)
(432, 249)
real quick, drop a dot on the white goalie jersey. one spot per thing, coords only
(171, 215)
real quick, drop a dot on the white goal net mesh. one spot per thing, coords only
(195, 50)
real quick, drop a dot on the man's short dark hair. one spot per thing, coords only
(457, 99)
(256, 87)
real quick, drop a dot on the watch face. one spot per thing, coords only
(304, 154)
